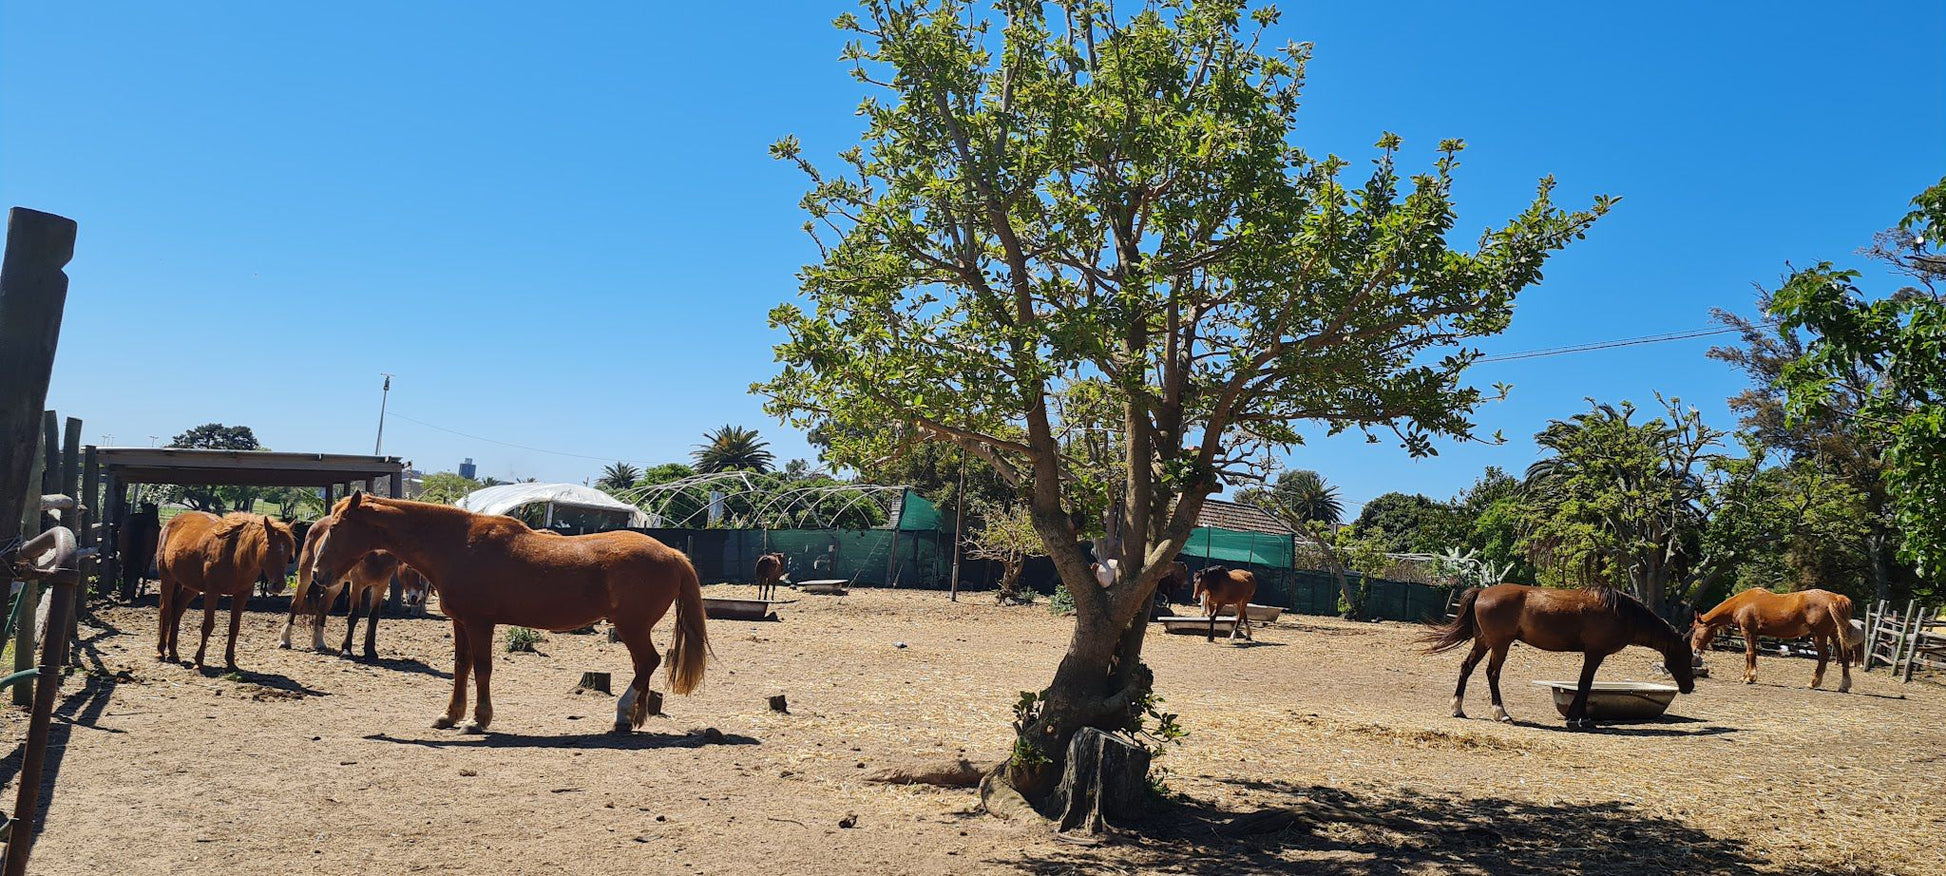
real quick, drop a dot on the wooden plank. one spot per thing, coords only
(71, 486)
(23, 693)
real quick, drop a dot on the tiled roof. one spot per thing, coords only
(1239, 517)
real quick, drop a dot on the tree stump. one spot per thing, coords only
(778, 704)
(655, 702)
(595, 681)
(1106, 780)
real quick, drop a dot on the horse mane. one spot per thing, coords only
(1651, 624)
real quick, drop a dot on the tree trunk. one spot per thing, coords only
(1106, 778)
(1010, 582)
(1881, 576)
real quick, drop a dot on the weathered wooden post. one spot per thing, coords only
(27, 600)
(33, 293)
(90, 517)
(71, 488)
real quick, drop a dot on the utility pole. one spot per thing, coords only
(959, 520)
(385, 395)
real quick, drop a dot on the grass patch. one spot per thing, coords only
(522, 639)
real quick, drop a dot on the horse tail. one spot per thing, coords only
(690, 648)
(1456, 632)
(1848, 636)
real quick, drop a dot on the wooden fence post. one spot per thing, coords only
(1905, 626)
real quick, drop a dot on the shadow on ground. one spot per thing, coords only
(1319, 829)
(615, 741)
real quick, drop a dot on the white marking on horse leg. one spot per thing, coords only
(1500, 714)
(284, 641)
(1457, 711)
(623, 707)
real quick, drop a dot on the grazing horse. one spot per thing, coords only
(215, 556)
(770, 570)
(1218, 586)
(492, 570)
(1595, 622)
(1820, 614)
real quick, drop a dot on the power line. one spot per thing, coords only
(1622, 342)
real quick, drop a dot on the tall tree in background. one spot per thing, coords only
(1298, 494)
(1118, 199)
(1621, 503)
(215, 436)
(1899, 341)
(446, 488)
(732, 448)
(618, 476)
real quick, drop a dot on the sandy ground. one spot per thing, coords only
(311, 764)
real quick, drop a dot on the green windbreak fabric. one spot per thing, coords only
(1231, 546)
(917, 514)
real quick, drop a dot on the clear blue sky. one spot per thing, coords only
(560, 228)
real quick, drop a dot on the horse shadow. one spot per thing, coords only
(1374, 831)
(1647, 728)
(405, 664)
(272, 680)
(637, 741)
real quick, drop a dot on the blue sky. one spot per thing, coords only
(560, 228)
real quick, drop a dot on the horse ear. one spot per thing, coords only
(352, 502)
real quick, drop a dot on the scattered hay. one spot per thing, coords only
(1417, 737)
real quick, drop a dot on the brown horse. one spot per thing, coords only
(1595, 622)
(1820, 614)
(1218, 586)
(368, 582)
(491, 570)
(770, 570)
(215, 556)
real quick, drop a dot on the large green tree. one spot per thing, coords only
(1067, 195)
(1621, 502)
(1899, 340)
(215, 436)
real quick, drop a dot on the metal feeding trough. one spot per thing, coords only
(823, 587)
(1260, 614)
(721, 608)
(1615, 700)
(1198, 626)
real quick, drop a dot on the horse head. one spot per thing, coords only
(1680, 660)
(413, 587)
(354, 532)
(1204, 576)
(279, 546)
(1700, 636)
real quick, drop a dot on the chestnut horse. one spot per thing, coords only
(770, 570)
(491, 570)
(1820, 614)
(1596, 622)
(1218, 586)
(217, 557)
(369, 580)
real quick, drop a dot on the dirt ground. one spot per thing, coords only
(311, 764)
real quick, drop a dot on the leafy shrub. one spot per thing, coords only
(522, 639)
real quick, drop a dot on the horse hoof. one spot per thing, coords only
(284, 646)
(1504, 718)
(622, 728)
(473, 728)
(1459, 714)
(1749, 681)
(371, 656)
(443, 723)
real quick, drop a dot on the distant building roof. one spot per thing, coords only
(1239, 517)
(506, 497)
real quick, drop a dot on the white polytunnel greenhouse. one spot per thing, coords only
(569, 509)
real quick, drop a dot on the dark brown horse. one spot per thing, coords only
(1218, 586)
(770, 570)
(492, 570)
(217, 557)
(1596, 623)
(1820, 614)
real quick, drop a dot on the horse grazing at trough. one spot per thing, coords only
(1820, 614)
(1218, 586)
(1596, 623)
(770, 570)
(492, 570)
(215, 556)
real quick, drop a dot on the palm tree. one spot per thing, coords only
(618, 476)
(1299, 496)
(732, 448)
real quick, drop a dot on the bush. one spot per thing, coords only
(1060, 602)
(522, 639)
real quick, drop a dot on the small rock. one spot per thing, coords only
(898, 644)
(849, 821)
(468, 773)
(662, 818)
(779, 705)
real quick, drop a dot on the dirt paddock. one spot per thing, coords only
(310, 764)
